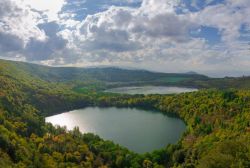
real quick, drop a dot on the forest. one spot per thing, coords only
(217, 118)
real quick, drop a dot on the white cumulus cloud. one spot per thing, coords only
(155, 35)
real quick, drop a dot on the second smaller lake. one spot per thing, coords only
(150, 90)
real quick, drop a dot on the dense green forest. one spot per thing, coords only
(217, 118)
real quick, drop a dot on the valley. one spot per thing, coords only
(216, 118)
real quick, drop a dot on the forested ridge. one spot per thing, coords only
(217, 135)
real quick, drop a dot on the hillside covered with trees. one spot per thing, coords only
(218, 121)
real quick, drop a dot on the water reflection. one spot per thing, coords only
(139, 130)
(150, 90)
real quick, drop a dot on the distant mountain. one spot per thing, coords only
(102, 74)
(191, 73)
(112, 76)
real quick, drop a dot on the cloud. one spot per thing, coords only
(37, 50)
(155, 7)
(9, 42)
(18, 21)
(25, 30)
(49, 8)
(155, 34)
(168, 25)
(121, 29)
(106, 31)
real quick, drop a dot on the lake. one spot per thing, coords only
(139, 130)
(150, 90)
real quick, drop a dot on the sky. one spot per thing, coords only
(211, 37)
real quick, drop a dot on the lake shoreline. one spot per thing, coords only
(97, 120)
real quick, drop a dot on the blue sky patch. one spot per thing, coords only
(89, 7)
(211, 34)
(244, 33)
(197, 5)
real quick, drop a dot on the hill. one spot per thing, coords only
(105, 74)
(217, 121)
(104, 77)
